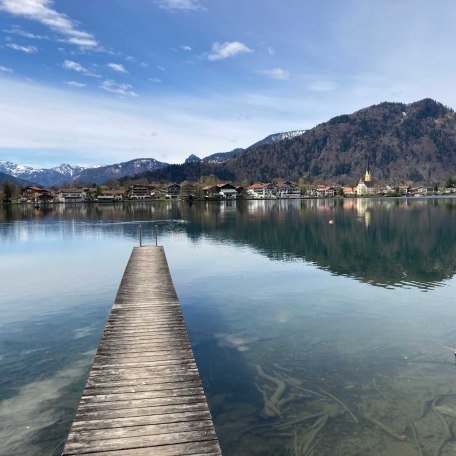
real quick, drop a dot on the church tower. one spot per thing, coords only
(367, 176)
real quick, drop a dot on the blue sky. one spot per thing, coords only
(104, 81)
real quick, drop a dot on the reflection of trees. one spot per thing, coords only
(384, 242)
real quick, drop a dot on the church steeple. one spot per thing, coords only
(367, 176)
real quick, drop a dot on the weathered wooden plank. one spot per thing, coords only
(176, 417)
(130, 389)
(141, 403)
(171, 409)
(144, 394)
(206, 448)
(129, 396)
(142, 430)
(147, 441)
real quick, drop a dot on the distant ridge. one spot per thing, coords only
(222, 157)
(403, 143)
(76, 174)
(13, 180)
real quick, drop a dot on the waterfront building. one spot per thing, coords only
(261, 190)
(36, 194)
(139, 192)
(366, 186)
(171, 190)
(285, 189)
(72, 195)
(110, 196)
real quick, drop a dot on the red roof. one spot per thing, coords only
(255, 186)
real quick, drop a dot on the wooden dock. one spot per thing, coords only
(144, 395)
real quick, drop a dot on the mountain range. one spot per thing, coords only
(99, 174)
(399, 142)
(65, 173)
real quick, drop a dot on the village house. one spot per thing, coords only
(261, 190)
(227, 191)
(349, 191)
(140, 192)
(223, 191)
(211, 191)
(325, 191)
(72, 195)
(285, 189)
(111, 196)
(35, 194)
(171, 190)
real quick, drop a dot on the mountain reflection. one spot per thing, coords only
(393, 242)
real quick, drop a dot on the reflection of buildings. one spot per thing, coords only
(367, 218)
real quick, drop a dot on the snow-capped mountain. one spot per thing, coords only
(66, 173)
(13, 169)
(125, 169)
(57, 175)
(276, 137)
(222, 157)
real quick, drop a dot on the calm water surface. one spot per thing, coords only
(311, 338)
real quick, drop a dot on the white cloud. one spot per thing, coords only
(160, 68)
(77, 85)
(130, 58)
(183, 5)
(42, 11)
(277, 73)
(75, 66)
(186, 48)
(119, 89)
(31, 410)
(16, 30)
(155, 80)
(271, 51)
(26, 49)
(4, 69)
(227, 50)
(117, 67)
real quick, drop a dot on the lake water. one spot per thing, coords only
(310, 337)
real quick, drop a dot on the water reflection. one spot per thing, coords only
(391, 242)
(294, 359)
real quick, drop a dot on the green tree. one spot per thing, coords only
(450, 182)
(7, 192)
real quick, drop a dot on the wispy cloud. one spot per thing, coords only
(26, 49)
(30, 411)
(271, 51)
(221, 51)
(16, 30)
(155, 80)
(75, 84)
(5, 69)
(75, 66)
(277, 73)
(120, 89)
(183, 5)
(42, 11)
(186, 48)
(117, 67)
